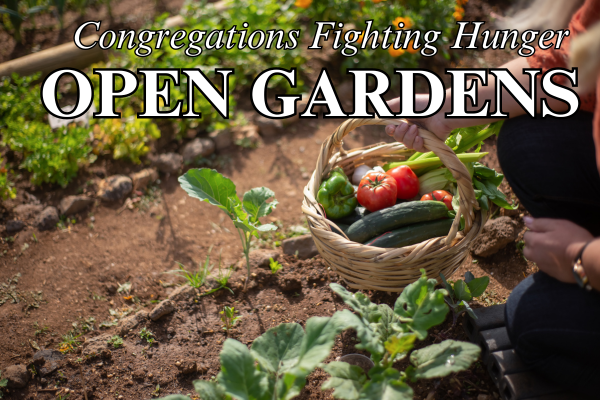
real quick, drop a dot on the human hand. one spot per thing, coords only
(553, 244)
(408, 134)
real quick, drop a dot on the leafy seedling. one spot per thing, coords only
(3, 384)
(116, 341)
(275, 266)
(69, 342)
(461, 292)
(124, 288)
(210, 186)
(148, 336)
(156, 391)
(198, 278)
(228, 318)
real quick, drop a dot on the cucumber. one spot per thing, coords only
(359, 213)
(412, 234)
(343, 227)
(388, 219)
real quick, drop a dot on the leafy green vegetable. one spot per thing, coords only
(442, 359)
(212, 187)
(462, 292)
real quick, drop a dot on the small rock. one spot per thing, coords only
(74, 204)
(130, 322)
(186, 366)
(268, 127)
(47, 361)
(202, 368)
(197, 148)
(496, 235)
(143, 178)
(96, 346)
(14, 226)
(168, 163)
(246, 135)
(27, 211)
(114, 188)
(138, 375)
(261, 258)
(182, 293)
(47, 219)
(163, 308)
(223, 138)
(304, 246)
(17, 376)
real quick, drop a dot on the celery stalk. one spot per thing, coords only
(434, 161)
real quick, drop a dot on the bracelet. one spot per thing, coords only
(578, 271)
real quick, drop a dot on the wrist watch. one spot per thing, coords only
(578, 271)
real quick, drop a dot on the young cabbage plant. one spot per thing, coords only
(277, 364)
(210, 186)
(461, 292)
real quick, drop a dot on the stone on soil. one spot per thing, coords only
(168, 163)
(74, 204)
(223, 138)
(163, 308)
(496, 235)
(16, 375)
(182, 293)
(26, 211)
(261, 258)
(143, 178)
(289, 284)
(132, 321)
(186, 366)
(304, 245)
(96, 346)
(47, 361)
(47, 219)
(14, 226)
(196, 149)
(268, 127)
(114, 188)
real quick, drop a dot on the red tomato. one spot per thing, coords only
(439, 195)
(406, 180)
(377, 191)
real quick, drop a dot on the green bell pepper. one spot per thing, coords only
(336, 195)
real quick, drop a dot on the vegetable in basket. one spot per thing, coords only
(439, 195)
(336, 195)
(406, 181)
(377, 191)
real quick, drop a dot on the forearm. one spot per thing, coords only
(591, 263)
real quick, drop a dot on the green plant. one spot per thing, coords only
(116, 341)
(127, 138)
(279, 361)
(3, 384)
(275, 266)
(156, 391)
(7, 189)
(195, 279)
(229, 318)
(212, 187)
(69, 342)
(146, 335)
(461, 292)
(18, 11)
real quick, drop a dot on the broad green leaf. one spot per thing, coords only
(386, 386)
(210, 186)
(238, 375)
(468, 309)
(447, 285)
(3, 382)
(290, 385)
(209, 390)
(478, 285)
(317, 343)
(267, 227)
(369, 340)
(278, 348)
(462, 292)
(346, 380)
(255, 202)
(438, 360)
(384, 327)
(399, 346)
(358, 302)
(469, 276)
(420, 306)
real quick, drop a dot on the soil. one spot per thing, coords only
(58, 278)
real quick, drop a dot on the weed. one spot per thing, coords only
(275, 266)
(3, 384)
(146, 335)
(228, 318)
(69, 342)
(461, 292)
(116, 341)
(195, 279)
(40, 330)
(520, 247)
(124, 288)
(156, 391)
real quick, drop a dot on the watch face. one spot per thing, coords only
(577, 273)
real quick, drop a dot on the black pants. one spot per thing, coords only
(554, 326)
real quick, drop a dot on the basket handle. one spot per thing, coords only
(459, 171)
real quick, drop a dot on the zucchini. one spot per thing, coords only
(343, 227)
(412, 234)
(359, 213)
(388, 219)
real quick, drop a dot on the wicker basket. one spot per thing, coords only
(367, 267)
